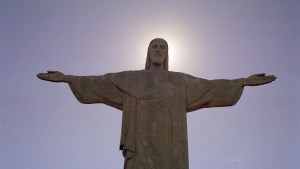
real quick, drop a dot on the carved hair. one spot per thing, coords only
(148, 61)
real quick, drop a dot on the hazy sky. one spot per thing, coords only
(43, 126)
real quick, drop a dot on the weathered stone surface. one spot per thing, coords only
(154, 104)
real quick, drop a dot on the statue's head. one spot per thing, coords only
(157, 54)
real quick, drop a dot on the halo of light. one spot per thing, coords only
(175, 47)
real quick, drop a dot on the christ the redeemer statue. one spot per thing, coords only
(154, 102)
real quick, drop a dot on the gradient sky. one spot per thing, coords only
(43, 126)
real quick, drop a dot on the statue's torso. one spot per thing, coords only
(161, 140)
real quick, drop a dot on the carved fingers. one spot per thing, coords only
(52, 76)
(259, 79)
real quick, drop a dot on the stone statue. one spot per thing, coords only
(154, 102)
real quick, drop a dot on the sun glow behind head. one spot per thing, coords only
(175, 48)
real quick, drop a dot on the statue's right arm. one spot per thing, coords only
(55, 76)
(258, 79)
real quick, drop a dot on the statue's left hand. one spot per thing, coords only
(258, 79)
(52, 76)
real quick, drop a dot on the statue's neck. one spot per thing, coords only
(158, 67)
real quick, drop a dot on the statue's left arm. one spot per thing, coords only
(96, 89)
(202, 93)
(90, 89)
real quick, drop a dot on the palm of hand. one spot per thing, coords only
(259, 79)
(52, 76)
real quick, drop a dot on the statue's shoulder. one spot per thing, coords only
(143, 73)
(131, 72)
(185, 77)
(125, 74)
(179, 75)
(137, 73)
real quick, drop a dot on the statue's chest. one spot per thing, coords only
(154, 85)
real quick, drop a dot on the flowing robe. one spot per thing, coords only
(154, 105)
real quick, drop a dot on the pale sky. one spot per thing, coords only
(43, 126)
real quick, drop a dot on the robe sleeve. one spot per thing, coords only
(202, 93)
(97, 89)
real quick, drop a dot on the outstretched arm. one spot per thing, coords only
(89, 89)
(258, 79)
(54, 76)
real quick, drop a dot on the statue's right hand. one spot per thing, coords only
(52, 76)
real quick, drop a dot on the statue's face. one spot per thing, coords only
(158, 52)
